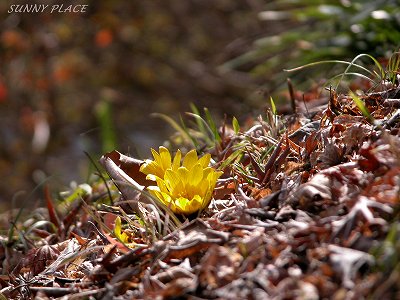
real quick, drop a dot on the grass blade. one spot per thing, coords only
(361, 106)
(176, 126)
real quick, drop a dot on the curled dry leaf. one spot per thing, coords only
(125, 173)
(317, 189)
(129, 165)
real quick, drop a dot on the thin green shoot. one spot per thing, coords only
(187, 138)
(329, 62)
(268, 152)
(245, 174)
(235, 125)
(187, 132)
(232, 159)
(212, 125)
(341, 75)
(393, 66)
(388, 246)
(199, 123)
(381, 74)
(361, 106)
(273, 106)
(205, 129)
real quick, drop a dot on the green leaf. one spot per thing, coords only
(205, 129)
(81, 191)
(361, 106)
(199, 123)
(212, 125)
(393, 66)
(273, 106)
(187, 132)
(230, 160)
(235, 125)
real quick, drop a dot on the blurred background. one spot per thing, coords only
(76, 82)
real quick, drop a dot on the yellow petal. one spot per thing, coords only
(207, 171)
(196, 204)
(180, 191)
(206, 202)
(190, 159)
(156, 156)
(151, 177)
(186, 206)
(172, 179)
(213, 176)
(165, 157)
(122, 236)
(161, 185)
(167, 200)
(147, 166)
(155, 191)
(180, 204)
(183, 174)
(202, 189)
(177, 160)
(195, 174)
(151, 167)
(158, 163)
(204, 161)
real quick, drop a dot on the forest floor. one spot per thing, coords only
(307, 208)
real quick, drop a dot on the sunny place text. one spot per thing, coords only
(40, 8)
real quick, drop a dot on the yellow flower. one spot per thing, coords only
(184, 188)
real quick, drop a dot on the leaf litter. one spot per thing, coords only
(306, 209)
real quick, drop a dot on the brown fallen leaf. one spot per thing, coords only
(130, 166)
(38, 259)
(116, 166)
